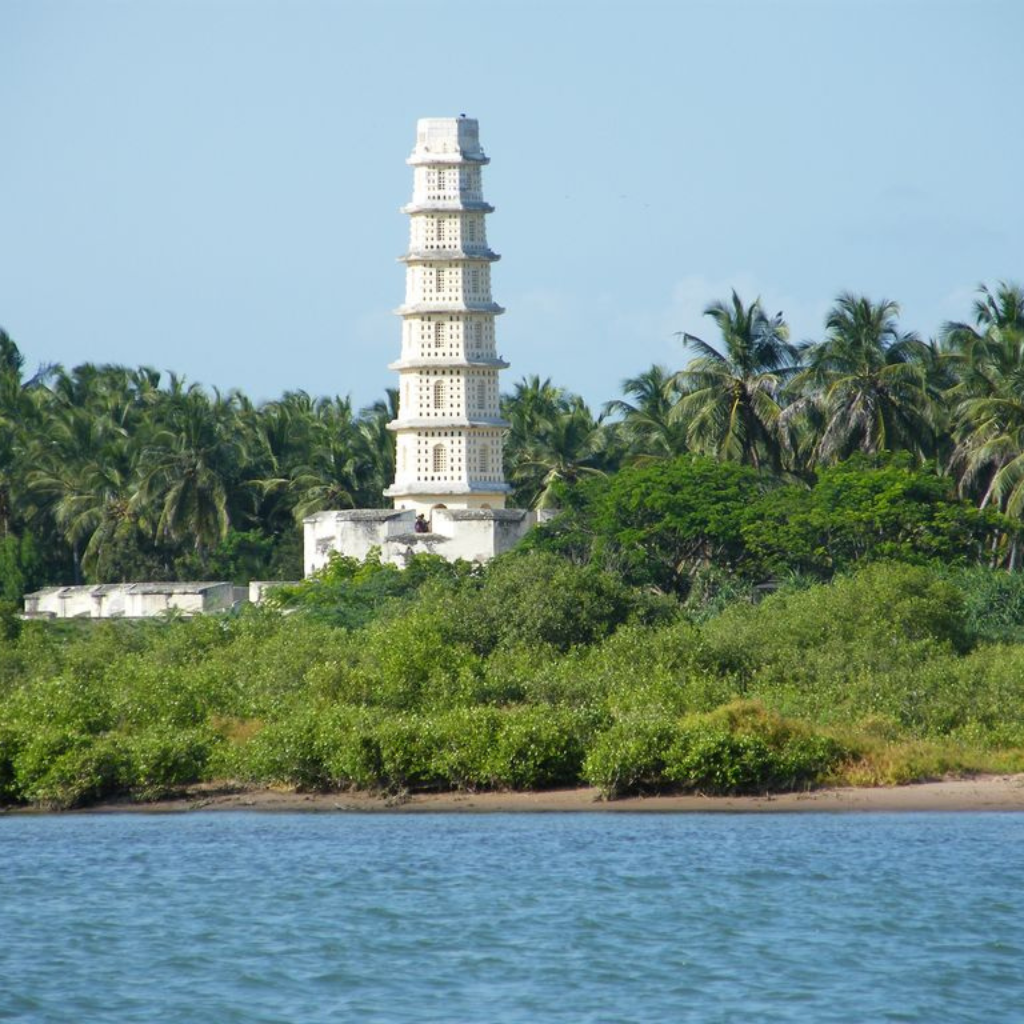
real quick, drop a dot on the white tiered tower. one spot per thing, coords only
(449, 428)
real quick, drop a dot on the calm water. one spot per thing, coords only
(245, 917)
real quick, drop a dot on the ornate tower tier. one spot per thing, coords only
(449, 428)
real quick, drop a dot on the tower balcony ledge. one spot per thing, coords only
(425, 158)
(397, 490)
(450, 256)
(449, 423)
(456, 306)
(447, 363)
(449, 206)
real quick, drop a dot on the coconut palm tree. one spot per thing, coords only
(730, 396)
(994, 313)
(864, 386)
(80, 472)
(20, 415)
(648, 428)
(328, 475)
(190, 463)
(988, 398)
(565, 447)
(377, 450)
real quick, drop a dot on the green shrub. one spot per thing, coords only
(10, 791)
(841, 651)
(410, 661)
(535, 599)
(285, 751)
(629, 757)
(59, 770)
(163, 757)
(743, 748)
(464, 746)
(408, 752)
(993, 602)
(350, 593)
(539, 747)
(349, 748)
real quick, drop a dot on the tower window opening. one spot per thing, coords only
(438, 335)
(439, 280)
(439, 394)
(440, 459)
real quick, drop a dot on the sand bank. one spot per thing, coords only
(980, 793)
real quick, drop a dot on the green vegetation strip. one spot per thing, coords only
(532, 673)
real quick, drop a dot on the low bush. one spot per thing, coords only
(10, 791)
(744, 748)
(629, 757)
(739, 748)
(60, 770)
(461, 748)
(284, 751)
(157, 760)
(539, 747)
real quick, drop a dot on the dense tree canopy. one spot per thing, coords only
(112, 473)
(664, 524)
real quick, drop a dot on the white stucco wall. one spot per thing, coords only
(132, 600)
(472, 535)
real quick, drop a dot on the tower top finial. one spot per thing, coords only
(447, 140)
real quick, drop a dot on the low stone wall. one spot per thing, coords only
(133, 600)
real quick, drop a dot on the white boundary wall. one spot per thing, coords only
(474, 535)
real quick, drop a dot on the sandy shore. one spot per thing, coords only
(981, 793)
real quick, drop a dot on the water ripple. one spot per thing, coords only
(583, 918)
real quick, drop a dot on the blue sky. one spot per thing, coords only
(212, 187)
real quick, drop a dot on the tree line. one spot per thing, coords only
(753, 397)
(111, 473)
(107, 474)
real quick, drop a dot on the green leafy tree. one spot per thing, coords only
(867, 510)
(661, 523)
